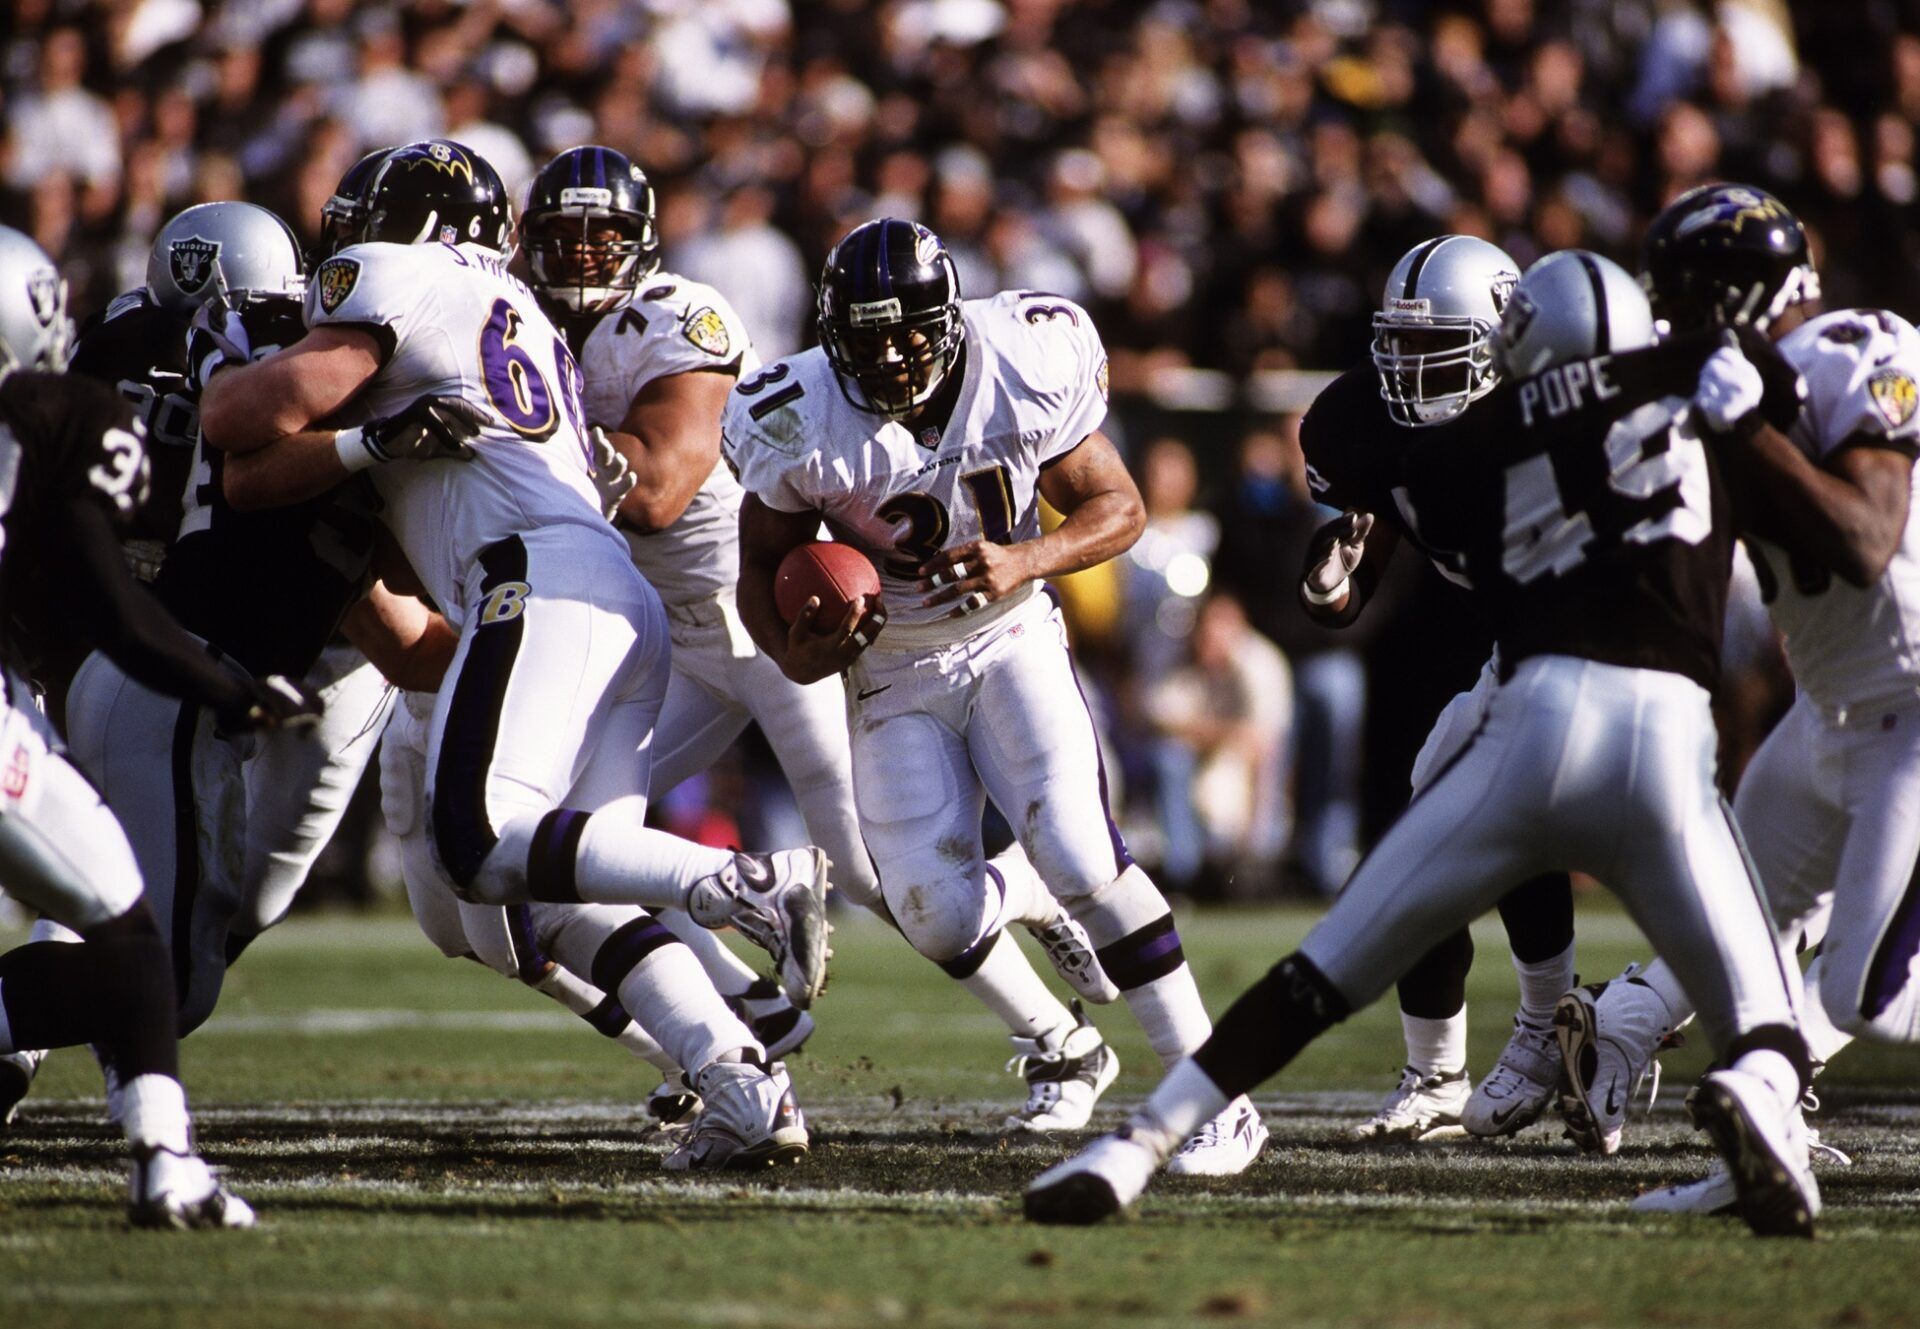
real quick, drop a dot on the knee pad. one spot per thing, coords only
(945, 915)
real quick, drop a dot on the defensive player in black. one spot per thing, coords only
(1583, 510)
(1431, 364)
(138, 344)
(76, 472)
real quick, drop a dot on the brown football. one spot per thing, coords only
(834, 572)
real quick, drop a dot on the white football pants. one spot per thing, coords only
(1577, 766)
(1830, 808)
(224, 830)
(62, 853)
(938, 729)
(720, 681)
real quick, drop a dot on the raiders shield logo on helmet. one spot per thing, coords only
(335, 281)
(191, 262)
(707, 330)
(1896, 394)
(43, 293)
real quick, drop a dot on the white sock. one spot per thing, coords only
(154, 1113)
(1436, 1047)
(583, 998)
(1824, 1038)
(1666, 985)
(1168, 1008)
(729, 972)
(1006, 984)
(1542, 985)
(1171, 1015)
(1185, 1101)
(1777, 1071)
(668, 995)
(624, 862)
(1028, 899)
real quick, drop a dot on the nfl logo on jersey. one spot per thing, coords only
(191, 262)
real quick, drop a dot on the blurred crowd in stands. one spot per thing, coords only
(1224, 183)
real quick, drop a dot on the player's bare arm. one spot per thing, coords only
(1102, 517)
(410, 644)
(808, 649)
(1848, 514)
(247, 407)
(671, 440)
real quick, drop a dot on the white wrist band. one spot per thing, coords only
(1314, 597)
(354, 453)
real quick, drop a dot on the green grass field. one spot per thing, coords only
(431, 1145)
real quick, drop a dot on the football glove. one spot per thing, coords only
(612, 476)
(217, 337)
(1784, 386)
(1333, 554)
(429, 428)
(1729, 391)
(276, 702)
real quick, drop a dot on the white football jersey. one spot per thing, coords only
(454, 322)
(673, 326)
(1034, 386)
(1847, 645)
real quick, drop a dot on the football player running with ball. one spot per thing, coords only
(1830, 803)
(1589, 519)
(924, 430)
(538, 749)
(1432, 361)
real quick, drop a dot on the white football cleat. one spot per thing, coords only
(1519, 1088)
(1071, 952)
(775, 1022)
(1712, 1194)
(172, 1190)
(17, 1070)
(1098, 1182)
(1065, 1080)
(1225, 1146)
(672, 1108)
(1421, 1107)
(750, 1120)
(1715, 1193)
(1608, 1035)
(1766, 1152)
(778, 902)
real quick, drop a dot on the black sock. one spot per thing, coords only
(1436, 987)
(115, 989)
(1269, 1025)
(1538, 914)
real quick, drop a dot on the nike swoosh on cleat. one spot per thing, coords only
(1501, 1118)
(872, 692)
(1613, 1104)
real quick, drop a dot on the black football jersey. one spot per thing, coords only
(1356, 453)
(1584, 512)
(270, 587)
(139, 350)
(61, 438)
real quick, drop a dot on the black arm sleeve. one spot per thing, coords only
(121, 619)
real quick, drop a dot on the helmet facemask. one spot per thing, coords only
(590, 260)
(1431, 367)
(897, 363)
